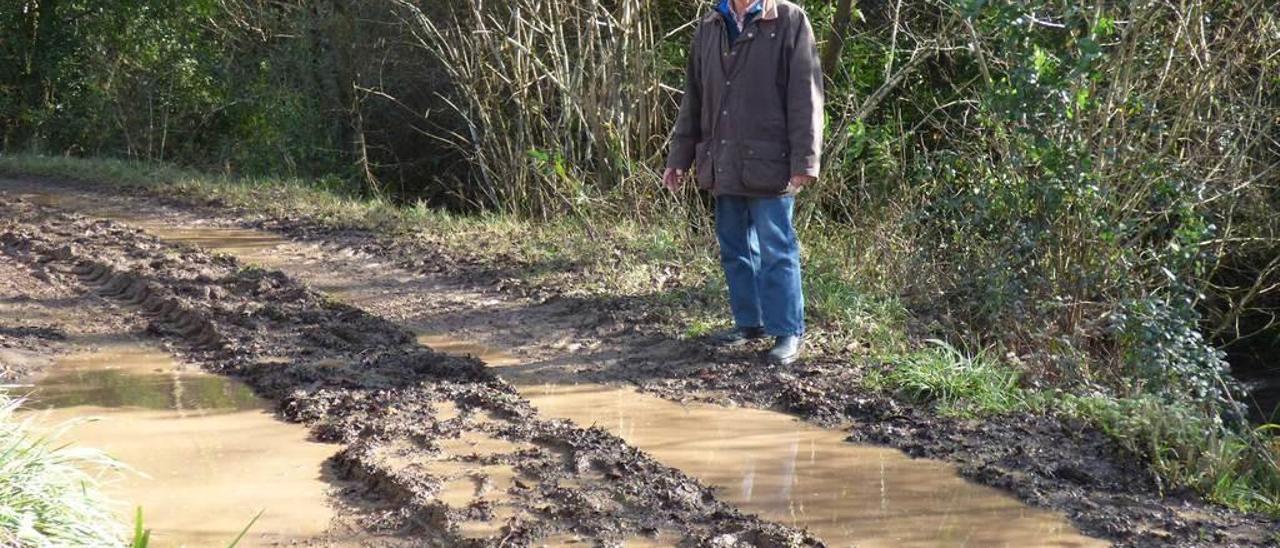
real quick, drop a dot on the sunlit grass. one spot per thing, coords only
(1186, 447)
(958, 384)
(48, 491)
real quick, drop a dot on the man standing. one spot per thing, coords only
(750, 126)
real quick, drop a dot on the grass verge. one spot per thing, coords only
(47, 495)
(670, 263)
(1238, 467)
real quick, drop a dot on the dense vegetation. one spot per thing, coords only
(1082, 196)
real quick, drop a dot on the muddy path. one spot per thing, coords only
(928, 503)
(426, 437)
(915, 502)
(553, 336)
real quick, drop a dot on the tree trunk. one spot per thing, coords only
(342, 41)
(835, 40)
(41, 29)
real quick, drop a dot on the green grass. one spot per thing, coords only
(141, 535)
(48, 491)
(958, 384)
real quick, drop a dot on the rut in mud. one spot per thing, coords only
(558, 337)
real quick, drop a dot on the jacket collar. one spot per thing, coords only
(768, 12)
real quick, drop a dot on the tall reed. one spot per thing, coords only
(563, 102)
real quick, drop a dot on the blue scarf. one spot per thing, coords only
(725, 7)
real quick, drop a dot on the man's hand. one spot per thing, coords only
(673, 179)
(800, 181)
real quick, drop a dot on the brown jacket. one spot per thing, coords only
(751, 115)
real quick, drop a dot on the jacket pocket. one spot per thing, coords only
(766, 165)
(703, 166)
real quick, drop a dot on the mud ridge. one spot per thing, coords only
(363, 382)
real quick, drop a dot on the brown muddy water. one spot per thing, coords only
(783, 469)
(206, 455)
(787, 471)
(764, 462)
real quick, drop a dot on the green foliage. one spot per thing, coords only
(1052, 170)
(1163, 347)
(290, 88)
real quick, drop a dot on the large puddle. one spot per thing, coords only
(206, 454)
(763, 462)
(790, 472)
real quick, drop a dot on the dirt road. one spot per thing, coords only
(436, 448)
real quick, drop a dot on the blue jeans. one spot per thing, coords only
(761, 258)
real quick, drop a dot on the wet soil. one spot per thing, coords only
(751, 459)
(559, 335)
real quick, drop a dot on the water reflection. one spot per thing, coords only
(788, 471)
(134, 378)
(115, 389)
